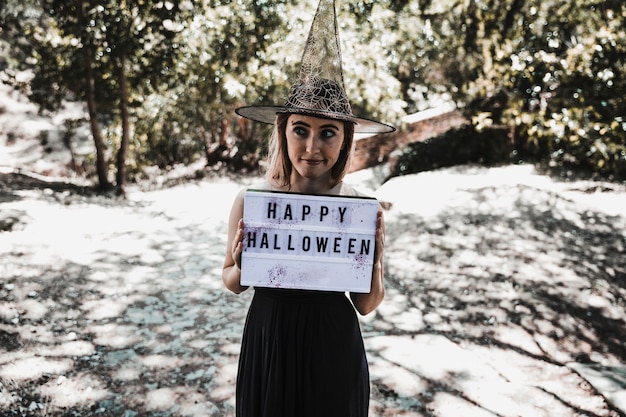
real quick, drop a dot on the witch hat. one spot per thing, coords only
(318, 90)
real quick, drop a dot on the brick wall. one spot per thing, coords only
(374, 150)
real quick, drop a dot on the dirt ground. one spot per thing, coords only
(506, 295)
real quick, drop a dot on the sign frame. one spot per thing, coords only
(308, 241)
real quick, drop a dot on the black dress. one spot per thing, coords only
(302, 355)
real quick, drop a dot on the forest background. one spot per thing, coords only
(160, 80)
(510, 283)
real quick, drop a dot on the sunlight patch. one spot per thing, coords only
(115, 335)
(444, 356)
(183, 401)
(75, 348)
(32, 368)
(161, 399)
(451, 405)
(127, 373)
(105, 308)
(401, 380)
(34, 309)
(160, 362)
(69, 392)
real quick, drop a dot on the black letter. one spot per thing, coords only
(251, 239)
(264, 242)
(276, 247)
(337, 249)
(305, 210)
(322, 243)
(289, 247)
(342, 212)
(306, 243)
(365, 246)
(323, 212)
(351, 245)
(288, 213)
(271, 210)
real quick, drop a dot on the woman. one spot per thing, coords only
(302, 352)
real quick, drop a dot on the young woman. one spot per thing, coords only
(302, 352)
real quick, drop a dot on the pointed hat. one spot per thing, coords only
(318, 90)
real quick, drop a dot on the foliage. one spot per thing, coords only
(457, 146)
(223, 63)
(51, 36)
(96, 52)
(568, 85)
(553, 69)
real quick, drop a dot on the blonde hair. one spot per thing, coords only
(279, 165)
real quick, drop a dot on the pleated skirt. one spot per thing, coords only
(302, 355)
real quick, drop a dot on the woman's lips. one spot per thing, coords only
(312, 161)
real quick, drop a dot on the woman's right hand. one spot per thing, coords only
(237, 245)
(231, 272)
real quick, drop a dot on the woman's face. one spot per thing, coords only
(313, 144)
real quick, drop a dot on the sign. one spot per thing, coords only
(309, 242)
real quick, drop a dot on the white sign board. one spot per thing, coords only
(312, 242)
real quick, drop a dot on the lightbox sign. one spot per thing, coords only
(313, 242)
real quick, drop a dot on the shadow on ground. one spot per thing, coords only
(534, 279)
(488, 304)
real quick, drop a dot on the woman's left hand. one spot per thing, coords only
(365, 303)
(380, 239)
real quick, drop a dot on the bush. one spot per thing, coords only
(571, 141)
(463, 145)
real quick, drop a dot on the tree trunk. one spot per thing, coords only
(123, 151)
(90, 94)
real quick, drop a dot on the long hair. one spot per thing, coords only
(279, 166)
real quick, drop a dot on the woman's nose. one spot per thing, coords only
(312, 144)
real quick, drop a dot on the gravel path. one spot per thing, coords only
(506, 297)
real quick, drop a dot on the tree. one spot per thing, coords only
(223, 63)
(553, 69)
(249, 53)
(121, 48)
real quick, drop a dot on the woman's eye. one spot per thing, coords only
(328, 134)
(300, 131)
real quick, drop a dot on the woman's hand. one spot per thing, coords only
(231, 272)
(379, 250)
(237, 245)
(366, 303)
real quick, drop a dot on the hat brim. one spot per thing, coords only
(267, 114)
